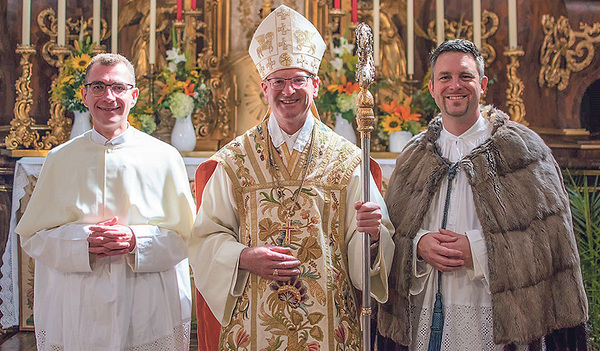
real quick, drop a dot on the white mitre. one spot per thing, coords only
(286, 39)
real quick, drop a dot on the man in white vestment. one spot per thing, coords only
(277, 247)
(106, 226)
(480, 199)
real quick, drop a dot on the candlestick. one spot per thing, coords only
(26, 32)
(96, 25)
(354, 11)
(193, 5)
(114, 27)
(152, 42)
(410, 37)
(62, 22)
(376, 32)
(439, 21)
(179, 10)
(512, 24)
(477, 23)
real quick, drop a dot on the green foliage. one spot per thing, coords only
(585, 208)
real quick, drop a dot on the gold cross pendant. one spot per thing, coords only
(287, 232)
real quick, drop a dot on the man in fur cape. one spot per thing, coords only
(501, 233)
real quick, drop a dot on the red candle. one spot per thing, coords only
(193, 4)
(354, 11)
(179, 10)
(337, 4)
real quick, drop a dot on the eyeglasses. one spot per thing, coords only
(298, 82)
(99, 88)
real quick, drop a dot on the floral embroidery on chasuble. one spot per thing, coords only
(318, 309)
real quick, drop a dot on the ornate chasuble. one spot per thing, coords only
(318, 309)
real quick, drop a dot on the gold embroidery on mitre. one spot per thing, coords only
(265, 41)
(304, 39)
(285, 59)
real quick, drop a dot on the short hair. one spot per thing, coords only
(457, 45)
(109, 59)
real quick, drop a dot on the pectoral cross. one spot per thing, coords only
(287, 230)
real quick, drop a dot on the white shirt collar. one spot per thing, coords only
(456, 147)
(99, 139)
(296, 141)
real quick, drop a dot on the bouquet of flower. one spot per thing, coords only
(182, 88)
(142, 118)
(339, 89)
(398, 118)
(67, 89)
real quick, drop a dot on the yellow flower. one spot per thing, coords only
(135, 123)
(78, 95)
(66, 80)
(391, 123)
(80, 62)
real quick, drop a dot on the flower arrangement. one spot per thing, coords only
(339, 89)
(67, 89)
(399, 117)
(142, 118)
(182, 88)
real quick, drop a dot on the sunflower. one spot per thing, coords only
(81, 62)
(391, 123)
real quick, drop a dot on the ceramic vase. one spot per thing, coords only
(344, 128)
(398, 140)
(183, 136)
(81, 123)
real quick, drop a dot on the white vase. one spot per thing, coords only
(344, 128)
(81, 123)
(398, 140)
(183, 136)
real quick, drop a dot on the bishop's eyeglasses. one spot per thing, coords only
(298, 82)
(98, 89)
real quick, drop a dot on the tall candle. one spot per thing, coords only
(354, 11)
(96, 27)
(477, 23)
(152, 42)
(512, 24)
(62, 22)
(376, 32)
(410, 37)
(439, 21)
(179, 10)
(337, 4)
(193, 5)
(26, 32)
(114, 27)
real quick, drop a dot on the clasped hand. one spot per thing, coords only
(108, 238)
(445, 250)
(368, 218)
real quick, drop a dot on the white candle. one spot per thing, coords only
(439, 21)
(26, 32)
(512, 24)
(477, 23)
(62, 22)
(152, 43)
(376, 32)
(114, 27)
(410, 37)
(96, 26)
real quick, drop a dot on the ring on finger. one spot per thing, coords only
(275, 272)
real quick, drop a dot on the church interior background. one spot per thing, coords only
(541, 57)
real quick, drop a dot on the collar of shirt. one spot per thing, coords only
(99, 139)
(455, 147)
(298, 140)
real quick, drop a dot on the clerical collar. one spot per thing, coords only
(298, 139)
(99, 139)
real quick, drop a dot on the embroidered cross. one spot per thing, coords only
(283, 29)
(287, 232)
(285, 59)
(302, 61)
(284, 44)
(283, 14)
(270, 63)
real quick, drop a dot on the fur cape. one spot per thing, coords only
(521, 202)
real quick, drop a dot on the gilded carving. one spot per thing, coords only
(463, 29)
(565, 50)
(514, 102)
